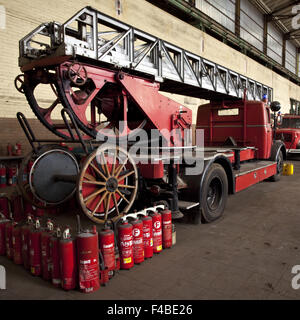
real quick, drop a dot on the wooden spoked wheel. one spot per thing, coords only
(107, 184)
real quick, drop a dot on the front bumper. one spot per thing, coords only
(293, 151)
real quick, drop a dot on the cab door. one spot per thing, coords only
(269, 133)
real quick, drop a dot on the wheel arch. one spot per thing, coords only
(226, 165)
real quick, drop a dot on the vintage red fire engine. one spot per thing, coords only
(289, 132)
(116, 81)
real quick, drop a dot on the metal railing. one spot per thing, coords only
(107, 41)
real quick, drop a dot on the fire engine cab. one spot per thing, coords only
(289, 132)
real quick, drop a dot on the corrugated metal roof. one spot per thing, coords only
(281, 13)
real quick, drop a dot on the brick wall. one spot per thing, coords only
(11, 132)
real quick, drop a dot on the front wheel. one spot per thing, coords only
(214, 193)
(279, 160)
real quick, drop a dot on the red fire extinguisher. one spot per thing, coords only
(104, 276)
(25, 230)
(39, 212)
(9, 149)
(18, 149)
(157, 232)
(45, 247)
(35, 249)
(138, 241)
(125, 245)
(3, 222)
(18, 211)
(25, 175)
(166, 228)
(8, 240)
(68, 265)
(5, 206)
(107, 247)
(12, 175)
(55, 258)
(28, 210)
(148, 236)
(17, 243)
(3, 181)
(117, 254)
(88, 259)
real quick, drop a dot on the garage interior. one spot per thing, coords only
(250, 250)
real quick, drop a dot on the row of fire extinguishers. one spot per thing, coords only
(143, 233)
(89, 259)
(54, 254)
(19, 208)
(9, 173)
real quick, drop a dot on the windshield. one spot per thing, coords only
(293, 123)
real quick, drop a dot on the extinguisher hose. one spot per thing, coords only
(78, 223)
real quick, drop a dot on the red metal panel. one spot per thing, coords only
(152, 171)
(217, 128)
(247, 154)
(248, 179)
(164, 113)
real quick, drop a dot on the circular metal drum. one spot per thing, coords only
(52, 178)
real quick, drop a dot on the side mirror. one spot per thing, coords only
(275, 106)
(279, 119)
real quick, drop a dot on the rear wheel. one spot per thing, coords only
(214, 193)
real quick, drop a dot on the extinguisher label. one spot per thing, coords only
(85, 261)
(89, 276)
(126, 244)
(159, 248)
(136, 232)
(107, 246)
(156, 224)
(127, 260)
(138, 241)
(127, 237)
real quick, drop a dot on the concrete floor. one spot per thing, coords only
(248, 254)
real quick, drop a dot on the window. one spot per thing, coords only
(228, 112)
(295, 107)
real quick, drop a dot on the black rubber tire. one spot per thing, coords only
(215, 178)
(279, 160)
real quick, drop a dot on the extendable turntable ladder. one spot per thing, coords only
(102, 40)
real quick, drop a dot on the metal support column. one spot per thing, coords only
(238, 17)
(283, 52)
(266, 24)
(297, 62)
(176, 214)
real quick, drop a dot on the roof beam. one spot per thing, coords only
(289, 35)
(284, 6)
(284, 16)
